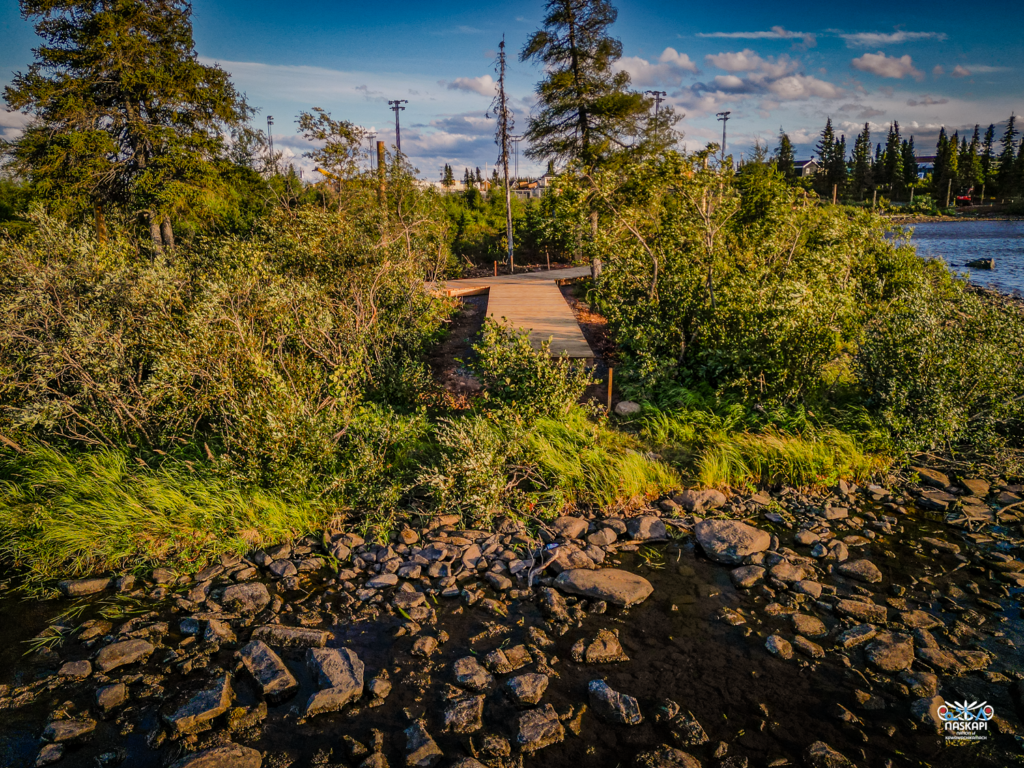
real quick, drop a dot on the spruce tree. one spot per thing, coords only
(826, 151)
(1007, 157)
(124, 112)
(862, 179)
(909, 163)
(894, 160)
(837, 171)
(988, 164)
(784, 155)
(586, 109)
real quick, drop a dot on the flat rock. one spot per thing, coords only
(808, 648)
(932, 477)
(821, 755)
(788, 573)
(612, 706)
(941, 544)
(538, 728)
(940, 659)
(747, 576)
(120, 654)
(382, 581)
(110, 697)
(59, 731)
(603, 649)
(270, 673)
(924, 685)
(291, 637)
(251, 597)
(77, 670)
(470, 673)
(666, 757)
(806, 538)
(862, 611)
(609, 584)
(83, 587)
(891, 652)
(808, 626)
(779, 646)
(224, 756)
(646, 528)
(729, 541)
(697, 501)
(569, 527)
(861, 570)
(464, 715)
(807, 587)
(527, 690)
(856, 635)
(974, 486)
(49, 754)
(919, 620)
(195, 715)
(339, 673)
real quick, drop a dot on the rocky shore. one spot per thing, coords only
(779, 628)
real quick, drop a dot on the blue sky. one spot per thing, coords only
(925, 64)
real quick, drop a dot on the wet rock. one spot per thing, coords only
(49, 754)
(974, 486)
(821, 755)
(614, 586)
(924, 685)
(123, 653)
(942, 660)
(747, 576)
(808, 626)
(646, 528)
(291, 637)
(538, 728)
(502, 661)
(553, 605)
(919, 620)
(862, 611)
(808, 648)
(569, 527)
(464, 715)
(568, 557)
(861, 570)
(195, 715)
(282, 569)
(60, 731)
(687, 731)
(856, 635)
(932, 477)
(779, 646)
(271, 675)
(224, 756)
(941, 544)
(251, 597)
(729, 541)
(666, 757)
(469, 673)
(528, 689)
(110, 697)
(891, 652)
(83, 587)
(421, 751)
(613, 706)
(339, 673)
(77, 670)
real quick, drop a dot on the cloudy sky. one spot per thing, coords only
(772, 65)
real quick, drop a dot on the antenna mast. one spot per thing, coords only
(396, 107)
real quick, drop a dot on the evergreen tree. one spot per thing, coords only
(945, 164)
(894, 160)
(837, 170)
(988, 164)
(826, 151)
(467, 179)
(1007, 156)
(784, 155)
(449, 177)
(862, 179)
(1018, 175)
(909, 163)
(586, 109)
(551, 167)
(969, 162)
(124, 113)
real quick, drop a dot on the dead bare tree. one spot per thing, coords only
(502, 136)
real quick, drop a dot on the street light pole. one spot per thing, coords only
(396, 107)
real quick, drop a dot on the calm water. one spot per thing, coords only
(957, 242)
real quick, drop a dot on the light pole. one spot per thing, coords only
(396, 107)
(270, 136)
(724, 117)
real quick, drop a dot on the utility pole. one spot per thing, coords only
(658, 96)
(502, 111)
(724, 117)
(270, 136)
(396, 107)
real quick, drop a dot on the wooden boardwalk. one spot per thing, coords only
(531, 301)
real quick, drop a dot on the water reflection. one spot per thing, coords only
(957, 242)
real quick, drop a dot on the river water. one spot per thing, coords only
(957, 242)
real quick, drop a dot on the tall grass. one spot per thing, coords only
(72, 514)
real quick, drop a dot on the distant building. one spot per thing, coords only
(925, 165)
(806, 167)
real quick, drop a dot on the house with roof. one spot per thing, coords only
(805, 167)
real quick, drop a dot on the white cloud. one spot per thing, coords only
(926, 101)
(13, 123)
(960, 71)
(670, 68)
(938, 70)
(749, 61)
(887, 66)
(483, 85)
(803, 87)
(775, 33)
(872, 39)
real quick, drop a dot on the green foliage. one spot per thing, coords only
(529, 381)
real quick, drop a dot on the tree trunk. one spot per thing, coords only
(167, 232)
(154, 233)
(101, 223)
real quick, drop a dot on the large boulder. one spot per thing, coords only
(251, 597)
(538, 728)
(270, 673)
(195, 715)
(609, 584)
(125, 652)
(693, 500)
(730, 541)
(339, 673)
(224, 756)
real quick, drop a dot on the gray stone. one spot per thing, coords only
(421, 751)
(788, 573)
(747, 576)
(807, 538)
(195, 715)
(470, 673)
(110, 697)
(527, 690)
(807, 587)
(861, 570)
(609, 584)
(926, 712)
(779, 646)
(569, 557)
(339, 673)
(602, 538)
(729, 541)
(808, 648)
(251, 597)
(224, 756)
(603, 649)
(291, 637)
(666, 757)
(646, 528)
(120, 654)
(821, 755)
(83, 587)
(379, 688)
(627, 408)
(275, 681)
(862, 611)
(891, 652)
(49, 754)
(924, 685)
(424, 646)
(698, 501)
(538, 728)
(569, 527)
(59, 731)
(504, 660)
(939, 659)
(283, 569)
(919, 620)
(553, 605)
(382, 581)
(808, 626)
(464, 715)
(856, 635)
(932, 477)
(79, 670)
(613, 706)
